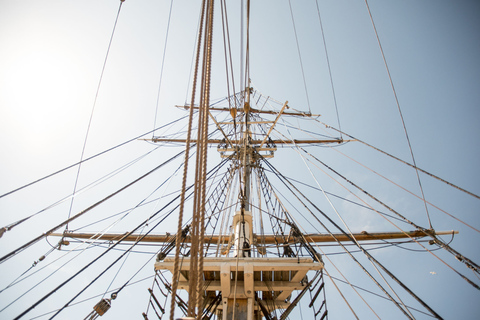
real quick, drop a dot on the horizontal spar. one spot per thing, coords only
(266, 239)
(252, 110)
(253, 142)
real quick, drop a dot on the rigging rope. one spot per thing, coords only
(52, 262)
(430, 232)
(91, 185)
(224, 13)
(413, 194)
(85, 160)
(205, 99)
(96, 259)
(242, 81)
(91, 298)
(470, 264)
(369, 256)
(353, 287)
(246, 85)
(28, 244)
(146, 224)
(64, 264)
(416, 168)
(106, 269)
(193, 271)
(175, 276)
(315, 257)
(376, 294)
(350, 232)
(348, 252)
(348, 229)
(112, 247)
(342, 198)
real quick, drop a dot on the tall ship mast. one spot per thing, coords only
(249, 206)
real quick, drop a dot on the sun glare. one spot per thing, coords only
(42, 96)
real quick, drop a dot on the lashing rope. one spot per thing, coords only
(175, 275)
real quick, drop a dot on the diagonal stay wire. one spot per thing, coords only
(18, 280)
(85, 160)
(295, 222)
(316, 245)
(378, 295)
(416, 168)
(125, 212)
(93, 261)
(118, 213)
(339, 197)
(299, 56)
(328, 64)
(31, 242)
(101, 255)
(91, 298)
(368, 255)
(348, 229)
(400, 112)
(87, 187)
(406, 190)
(14, 224)
(93, 110)
(110, 248)
(400, 160)
(52, 273)
(90, 244)
(469, 263)
(297, 148)
(163, 63)
(144, 200)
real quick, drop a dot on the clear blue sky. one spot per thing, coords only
(51, 57)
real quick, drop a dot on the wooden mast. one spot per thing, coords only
(239, 280)
(247, 283)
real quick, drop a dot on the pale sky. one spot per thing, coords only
(51, 58)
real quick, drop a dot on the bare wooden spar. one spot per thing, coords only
(254, 142)
(266, 239)
(253, 110)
